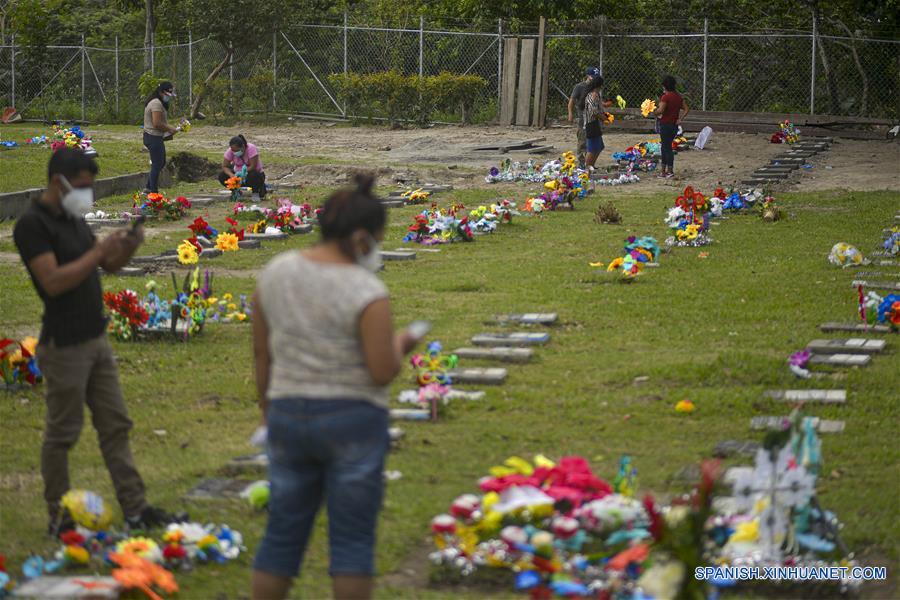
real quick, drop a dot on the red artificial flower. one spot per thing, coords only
(196, 244)
(71, 538)
(174, 552)
(656, 522)
(231, 221)
(183, 201)
(199, 226)
(2, 563)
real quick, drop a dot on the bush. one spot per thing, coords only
(408, 97)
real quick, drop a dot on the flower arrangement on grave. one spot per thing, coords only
(234, 184)
(287, 216)
(136, 572)
(435, 226)
(233, 230)
(627, 265)
(648, 106)
(159, 313)
(18, 364)
(157, 205)
(433, 377)
(888, 311)
(769, 210)
(892, 243)
(637, 252)
(71, 137)
(127, 315)
(509, 171)
(607, 118)
(226, 310)
(620, 179)
(190, 304)
(415, 196)
(38, 140)
(535, 205)
(504, 210)
(200, 227)
(787, 134)
(844, 255)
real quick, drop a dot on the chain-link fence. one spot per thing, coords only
(780, 71)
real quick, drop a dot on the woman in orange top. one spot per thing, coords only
(671, 111)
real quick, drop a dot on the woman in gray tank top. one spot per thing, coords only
(325, 353)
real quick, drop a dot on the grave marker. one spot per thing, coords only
(55, 587)
(264, 236)
(529, 318)
(430, 250)
(162, 258)
(502, 354)
(878, 285)
(775, 423)
(823, 396)
(218, 488)
(129, 272)
(727, 448)
(249, 244)
(406, 255)
(840, 360)
(846, 346)
(511, 339)
(410, 414)
(489, 376)
(211, 253)
(854, 327)
(451, 395)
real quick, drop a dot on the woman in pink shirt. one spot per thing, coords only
(243, 159)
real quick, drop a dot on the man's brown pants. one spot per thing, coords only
(86, 373)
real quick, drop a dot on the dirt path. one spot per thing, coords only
(444, 154)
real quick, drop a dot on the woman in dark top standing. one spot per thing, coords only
(671, 110)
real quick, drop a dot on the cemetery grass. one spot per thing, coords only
(716, 330)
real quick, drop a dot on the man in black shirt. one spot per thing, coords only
(576, 109)
(62, 256)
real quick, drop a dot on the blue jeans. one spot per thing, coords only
(157, 148)
(667, 133)
(324, 449)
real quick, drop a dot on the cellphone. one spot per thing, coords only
(419, 329)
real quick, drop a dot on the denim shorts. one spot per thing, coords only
(595, 145)
(331, 451)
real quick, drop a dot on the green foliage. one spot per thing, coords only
(147, 83)
(407, 97)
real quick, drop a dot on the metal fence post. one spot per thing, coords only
(602, 32)
(153, 53)
(705, 48)
(13, 69)
(231, 81)
(117, 76)
(344, 109)
(82, 76)
(499, 62)
(190, 68)
(421, 45)
(812, 77)
(274, 66)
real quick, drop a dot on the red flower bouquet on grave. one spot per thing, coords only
(571, 480)
(201, 227)
(127, 315)
(238, 232)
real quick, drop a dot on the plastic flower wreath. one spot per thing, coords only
(417, 196)
(18, 364)
(126, 312)
(647, 107)
(187, 253)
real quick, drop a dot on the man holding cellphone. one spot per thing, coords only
(62, 256)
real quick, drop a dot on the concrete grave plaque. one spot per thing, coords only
(211, 253)
(734, 473)
(489, 376)
(846, 346)
(410, 414)
(263, 236)
(53, 587)
(129, 272)
(529, 318)
(249, 244)
(840, 360)
(304, 228)
(218, 488)
(162, 258)
(501, 353)
(511, 339)
(727, 448)
(452, 395)
(430, 250)
(201, 201)
(775, 423)
(878, 285)
(388, 255)
(249, 461)
(854, 327)
(823, 396)
(205, 242)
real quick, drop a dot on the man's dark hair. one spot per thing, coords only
(69, 162)
(595, 83)
(350, 209)
(669, 83)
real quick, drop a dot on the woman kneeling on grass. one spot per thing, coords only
(325, 353)
(239, 155)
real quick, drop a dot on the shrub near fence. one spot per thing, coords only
(397, 97)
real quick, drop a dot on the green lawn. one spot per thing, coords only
(715, 330)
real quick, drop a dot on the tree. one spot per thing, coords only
(149, 31)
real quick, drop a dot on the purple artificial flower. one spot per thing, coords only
(799, 359)
(494, 171)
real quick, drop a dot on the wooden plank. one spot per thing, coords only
(501, 353)
(489, 376)
(846, 346)
(526, 74)
(545, 88)
(840, 360)
(823, 396)
(511, 339)
(539, 72)
(854, 327)
(508, 89)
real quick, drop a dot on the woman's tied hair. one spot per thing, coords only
(350, 209)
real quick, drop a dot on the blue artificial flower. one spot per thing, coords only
(527, 580)
(814, 543)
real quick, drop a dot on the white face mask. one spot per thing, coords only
(77, 201)
(372, 260)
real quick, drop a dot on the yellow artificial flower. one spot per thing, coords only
(542, 461)
(212, 300)
(615, 264)
(231, 306)
(595, 264)
(227, 242)
(227, 297)
(76, 554)
(647, 107)
(29, 343)
(746, 532)
(187, 253)
(241, 317)
(620, 101)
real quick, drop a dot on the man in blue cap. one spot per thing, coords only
(576, 108)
